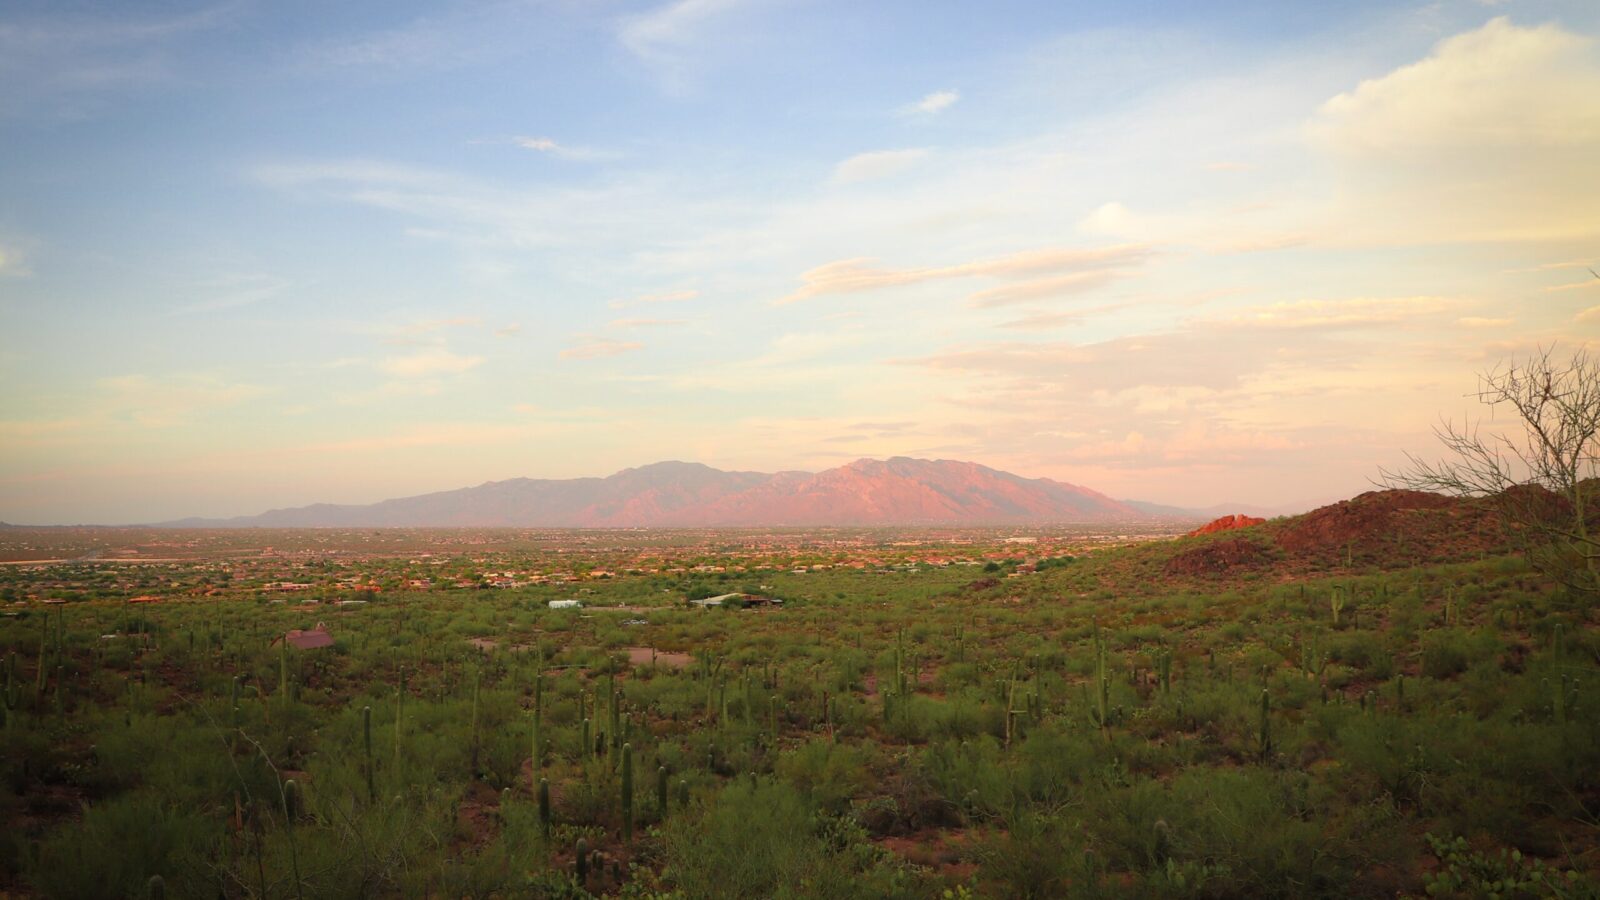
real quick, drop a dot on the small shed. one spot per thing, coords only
(311, 639)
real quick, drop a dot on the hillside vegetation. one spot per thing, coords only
(1369, 700)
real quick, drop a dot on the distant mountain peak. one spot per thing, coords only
(900, 490)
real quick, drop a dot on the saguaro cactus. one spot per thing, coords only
(661, 790)
(1265, 737)
(399, 719)
(1102, 681)
(366, 741)
(477, 684)
(582, 861)
(544, 808)
(627, 792)
(537, 751)
(291, 808)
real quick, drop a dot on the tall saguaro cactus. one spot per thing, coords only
(544, 808)
(477, 684)
(627, 793)
(366, 741)
(1265, 737)
(538, 723)
(291, 809)
(399, 720)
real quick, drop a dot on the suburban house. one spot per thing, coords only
(566, 604)
(736, 599)
(313, 639)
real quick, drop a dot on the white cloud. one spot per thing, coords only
(591, 347)
(1499, 86)
(53, 63)
(552, 147)
(645, 299)
(233, 292)
(1588, 284)
(1492, 136)
(1066, 285)
(169, 400)
(669, 26)
(426, 363)
(1324, 314)
(848, 276)
(423, 327)
(666, 37)
(876, 164)
(645, 323)
(12, 263)
(934, 103)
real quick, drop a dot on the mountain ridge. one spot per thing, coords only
(672, 493)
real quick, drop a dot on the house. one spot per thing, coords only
(742, 600)
(313, 639)
(566, 604)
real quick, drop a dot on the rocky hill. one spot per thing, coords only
(896, 491)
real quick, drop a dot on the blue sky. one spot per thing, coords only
(263, 254)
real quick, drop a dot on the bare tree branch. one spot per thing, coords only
(1539, 473)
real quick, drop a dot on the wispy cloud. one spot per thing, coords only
(645, 323)
(1346, 313)
(1589, 284)
(587, 346)
(665, 37)
(551, 147)
(876, 165)
(849, 276)
(12, 261)
(457, 35)
(423, 327)
(1066, 285)
(932, 104)
(234, 292)
(428, 363)
(165, 401)
(1043, 321)
(647, 299)
(64, 58)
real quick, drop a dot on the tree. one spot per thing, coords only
(1539, 473)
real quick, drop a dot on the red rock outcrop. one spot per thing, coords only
(1226, 523)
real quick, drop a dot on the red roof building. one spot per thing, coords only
(313, 639)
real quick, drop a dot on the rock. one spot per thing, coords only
(1226, 523)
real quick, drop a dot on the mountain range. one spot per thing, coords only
(896, 491)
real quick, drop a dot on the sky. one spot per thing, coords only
(262, 254)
